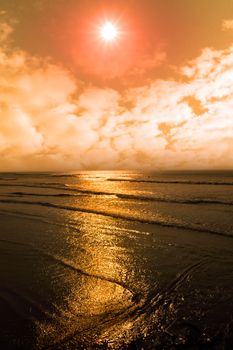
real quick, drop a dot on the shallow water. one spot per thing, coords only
(119, 260)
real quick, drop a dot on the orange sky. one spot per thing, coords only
(160, 97)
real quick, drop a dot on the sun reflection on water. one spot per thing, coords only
(96, 282)
(105, 264)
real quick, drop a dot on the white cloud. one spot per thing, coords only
(46, 122)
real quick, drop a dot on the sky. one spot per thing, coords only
(158, 97)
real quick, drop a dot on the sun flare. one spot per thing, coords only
(109, 32)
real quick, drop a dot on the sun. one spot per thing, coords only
(109, 32)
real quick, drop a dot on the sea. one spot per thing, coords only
(116, 260)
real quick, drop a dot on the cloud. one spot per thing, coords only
(49, 120)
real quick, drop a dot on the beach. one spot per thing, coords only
(116, 260)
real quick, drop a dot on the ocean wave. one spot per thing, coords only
(120, 217)
(139, 315)
(53, 186)
(61, 261)
(62, 175)
(178, 182)
(41, 194)
(126, 196)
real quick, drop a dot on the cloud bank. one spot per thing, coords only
(49, 120)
